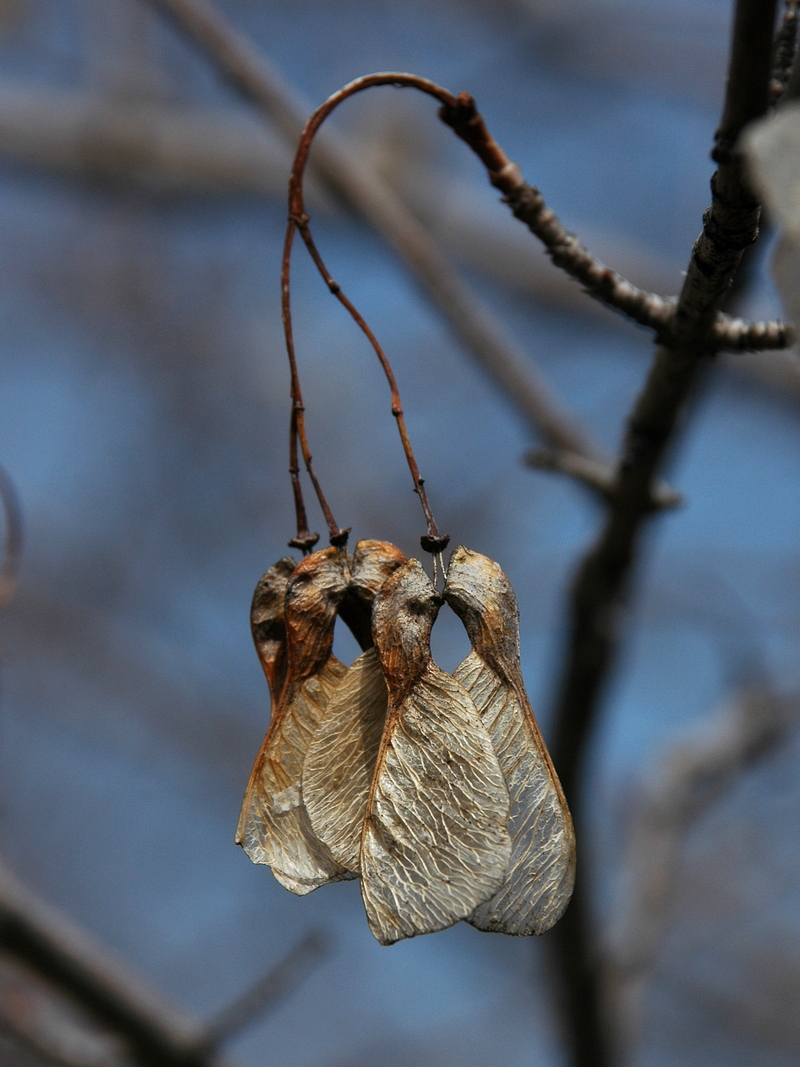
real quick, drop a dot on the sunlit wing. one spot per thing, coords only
(542, 869)
(341, 758)
(434, 844)
(274, 827)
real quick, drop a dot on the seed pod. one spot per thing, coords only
(341, 757)
(542, 869)
(434, 843)
(268, 626)
(273, 826)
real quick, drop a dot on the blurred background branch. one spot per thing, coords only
(152, 1033)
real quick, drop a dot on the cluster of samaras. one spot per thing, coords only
(436, 790)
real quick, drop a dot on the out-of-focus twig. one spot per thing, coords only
(156, 1035)
(62, 953)
(281, 979)
(162, 149)
(141, 143)
(12, 554)
(689, 781)
(49, 1025)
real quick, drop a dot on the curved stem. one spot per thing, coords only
(298, 221)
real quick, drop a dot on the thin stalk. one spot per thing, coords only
(299, 221)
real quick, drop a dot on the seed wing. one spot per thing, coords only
(435, 844)
(341, 759)
(274, 827)
(542, 869)
(541, 874)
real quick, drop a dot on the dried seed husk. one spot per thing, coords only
(268, 626)
(434, 844)
(274, 827)
(541, 874)
(341, 757)
(373, 562)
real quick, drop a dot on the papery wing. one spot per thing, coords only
(541, 873)
(341, 759)
(435, 844)
(542, 870)
(274, 827)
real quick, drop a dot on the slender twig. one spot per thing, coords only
(270, 988)
(661, 314)
(602, 584)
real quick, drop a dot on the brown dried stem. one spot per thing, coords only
(299, 220)
(297, 426)
(253, 77)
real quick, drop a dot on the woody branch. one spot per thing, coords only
(602, 584)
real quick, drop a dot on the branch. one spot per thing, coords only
(601, 587)
(56, 949)
(252, 76)
(664, 315)
(737, 335)
(785, 48)
(595, 475)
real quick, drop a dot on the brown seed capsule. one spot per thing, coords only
(274, 827)
(541, 874)
(268, 626)
(341, 757)
(434, 843)
(373, 562)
